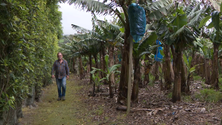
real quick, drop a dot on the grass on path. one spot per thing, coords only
(52, 112)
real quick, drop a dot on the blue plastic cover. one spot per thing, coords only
(158, 57)
(119, 57)
(137, 21)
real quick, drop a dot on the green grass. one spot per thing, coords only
(209, 95)
(186, 98)
(72, 111)
(220, 82)
(61, 40)
(121, 116)
(142, 77)
(170, 95)
(100, 110)
(196, 77)
(152, 78)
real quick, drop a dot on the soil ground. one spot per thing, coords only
(155, 105)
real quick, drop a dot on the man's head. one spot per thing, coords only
(59, 55)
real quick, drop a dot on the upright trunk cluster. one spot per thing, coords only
(73, 65)
(103, 62)
(184, 85)
(215, 75)
(137, 80)
(146, 73)
(200, 69)
(97, 66)
(167, 68)
(177, 60)
(80, 68)
(193, 64)
(156, 70)
(111, 77)
(90, 67)
(207, 70)
(122, 95)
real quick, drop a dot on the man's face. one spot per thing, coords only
(60, 56)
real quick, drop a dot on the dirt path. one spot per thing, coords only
(52, 112)
(81, 109)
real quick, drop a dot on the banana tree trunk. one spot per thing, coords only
(190, 76)
(90, 67)
(220, 70)
(147, 71)
(189, 79)
(156, 70)
(177, 60)
(207, 71)
(168, 71)
(193, 64)
(111, 63)
(184, 84)
(73, 65)
(202, 69)
(198, 62)
(215, 74)
(173, 53)
(137, 80)
(116, 55)
(103, 62)
(80, 68)
(110, 88)
(124, 67)
(97, 66)
(96, 61)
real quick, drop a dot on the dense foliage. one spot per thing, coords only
(29, 33)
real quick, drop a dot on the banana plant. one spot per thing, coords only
(94, 41)
(112, 37)
(97, 80)
(215, 36)
(144, 47)
(206, 50)
(190, 70)
(112, 7)
(109, 71)
(179, 30)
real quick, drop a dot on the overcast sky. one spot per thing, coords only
(73, 15)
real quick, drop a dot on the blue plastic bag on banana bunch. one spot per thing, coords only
(137, 21)
(158, 57)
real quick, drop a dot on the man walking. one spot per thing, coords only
(61, 70)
